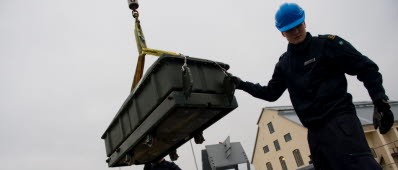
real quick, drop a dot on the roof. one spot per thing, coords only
(364, 112)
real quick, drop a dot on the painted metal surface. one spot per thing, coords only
(158, 108)
(224, 156)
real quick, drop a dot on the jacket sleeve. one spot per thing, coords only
(275, 88)
(352, 62)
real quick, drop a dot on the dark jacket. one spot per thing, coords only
(314, 74)
(164, 165)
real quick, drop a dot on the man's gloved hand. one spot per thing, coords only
(383, 118)
(236, 80)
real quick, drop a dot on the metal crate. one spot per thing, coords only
(159, 108)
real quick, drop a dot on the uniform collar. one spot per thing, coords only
(297, 48)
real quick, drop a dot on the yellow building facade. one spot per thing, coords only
(281, 142)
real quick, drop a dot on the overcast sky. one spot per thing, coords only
(66, 66)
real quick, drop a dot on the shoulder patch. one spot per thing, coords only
(336, 39)
(327, 36)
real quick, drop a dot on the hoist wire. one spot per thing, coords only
(193, 153)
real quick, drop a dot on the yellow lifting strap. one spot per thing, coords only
(142, 50)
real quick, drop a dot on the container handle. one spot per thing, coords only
(187, 80)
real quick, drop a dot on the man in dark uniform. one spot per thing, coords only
(162, 164)
(313, 71)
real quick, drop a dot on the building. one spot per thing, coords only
(281, 141)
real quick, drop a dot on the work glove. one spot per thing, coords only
(230, 84)
(235, 80)
(383, 118)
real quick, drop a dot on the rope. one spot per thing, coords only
(185, 62)
(222, 68)
(193, 153)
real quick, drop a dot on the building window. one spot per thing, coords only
(277, 147)
(298, 158)
(288, 137)
(266, 149)
(269, 166)
(372, 150)
(283, 163)
(382, 162)
(271, 128)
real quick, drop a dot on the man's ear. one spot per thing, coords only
(283, 34)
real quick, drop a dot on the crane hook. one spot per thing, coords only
(133, 4)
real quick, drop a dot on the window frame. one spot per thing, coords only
(269, 166)
(289, 135)
(277, 145)
(270, 128)
(283, 162)
(374, 154)
(297, 156)
(266, 146)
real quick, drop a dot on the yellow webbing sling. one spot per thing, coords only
(143, 50)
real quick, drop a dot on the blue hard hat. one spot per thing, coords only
(289, 16)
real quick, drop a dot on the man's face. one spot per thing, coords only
(296, 35)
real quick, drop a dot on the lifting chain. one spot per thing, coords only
(136, 15)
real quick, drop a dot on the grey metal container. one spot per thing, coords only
(158, 107)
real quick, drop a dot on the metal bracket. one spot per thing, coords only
(224, 156)
(128, 159)
(149, 140)
(173, 155)
(199, 139)
(227, 145)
